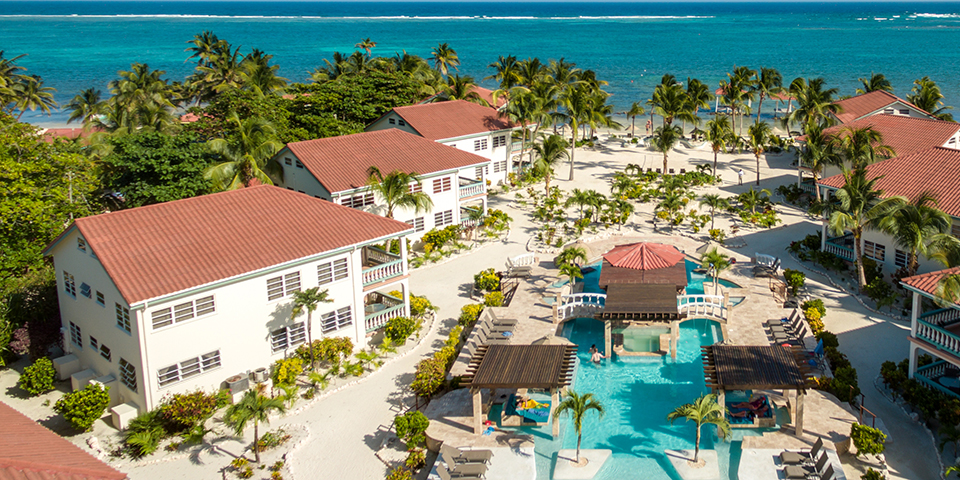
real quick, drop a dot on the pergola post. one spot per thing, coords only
(608, 337)
(722, 401)
(554, 402)
(674, 338)
(477, 411)
(799, 414)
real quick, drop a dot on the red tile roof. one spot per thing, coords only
(855, 107)
(170, 247)
(456, 118)
(342, 163)
(50, 134)
(927, 282)
(643, 256)
(935, 170)
(28, 451)
(487, 95)
(905, 135)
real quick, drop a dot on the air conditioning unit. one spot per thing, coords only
(238, 383)
(260, 375)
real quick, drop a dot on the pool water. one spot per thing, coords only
(642, 339)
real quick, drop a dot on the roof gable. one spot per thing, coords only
(935, 170)
(343, 163)
(854, 108)
(451, 119)
(170, 247)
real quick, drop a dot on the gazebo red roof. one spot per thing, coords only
(643, 256)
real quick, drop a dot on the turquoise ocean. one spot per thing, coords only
(76, 45)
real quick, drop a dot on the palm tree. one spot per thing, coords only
(366, 45)
(861, 146)
(521, 109)
(751, 198)
(205, 46)
(713, 201)
(461, 88)
(576, 101)
(635, 110)
(259, 76)
(444, 58)
(532, 72)
(927, 96)
(572, 255)
(309, 300)
(759, 135)
(914, 225)
(621, 185)
(720, 135)
(814, 102)
(861, 206)
(581, 198)
(393, 189)
(248, 156)
(665, 137)
(876, 82)
(84, 105)
(578, 406)
(507, 72)
(948, 289)
(30, 94)
(572, 272)
(256, 407)
(818, 153)
(716, 263)
(548, 154)
(769, 82)
(703, 411)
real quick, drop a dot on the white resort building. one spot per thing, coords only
(196, 293)
(463, 125)
(337, 169)
(935, 332)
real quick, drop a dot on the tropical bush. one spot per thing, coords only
(84, 407)
(330, 349)
(399, 329)
(795, 279)
(183, 411)
(285, 371)
(717, 235)
(469, 314)
(435, 239)
(429, 377)
(813, 318)
(37, 379)
(400, 473)
(815, 303)
(867, 440)
(419, 306)
(487, 281)
(493, 299)
(829, 339)
(873, 475)
(411, 428)
(272, 439)
(453, 338)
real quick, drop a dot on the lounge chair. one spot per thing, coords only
(792, 339)
(455, 456)
(806, 471)
(803, 456)
(484, 338)
(459, 474)
(785, 328)
(501, 322)
(491, 328)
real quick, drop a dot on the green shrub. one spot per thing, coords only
(881, 292)
(410, 428)
(435, 239)
(272, 439)
(871, 269)
(843, 379)
(717, 235)
(399, 329)
(37, 379)
(795, 279)
(330, 349)
(493, 299)
(872, 475)
(429, 377)
(400, 473)
(84, 407)
(836, 359)
(453, 338)
(812, 315)
(445, 356)
(416, 458)
(867, 440)
(183, 411)
(419, 306)
(829, 339)
(816, 303)
(469, 314)
(487, 281)
(285, 371)
(144, 442)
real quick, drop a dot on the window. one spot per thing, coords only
(499, 141)
(873, 250)
(904, 112)
(76, 335)
(69, 284)
(336, 319)
(94, 344)
(85, 290)
(288, 337)
(888, 111)
(299, 164)
(279, 287)
(392, 121)
(417, 224)
(357, 201)
(183, 312)
(416, 187)
(105, 352)
(332, 272)
(443, 218)
(82, 244)
(441, 185)
(480, 144)
(287, 161)
(478, 173)
(401, 122)
(900, 258)
(188, 368)
(128, 374)
(123, 317)
(500, 166)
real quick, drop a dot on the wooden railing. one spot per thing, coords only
(841, 251)
(580, 304)
(383, 272)
(941, 317)
(938, 337)
(471, 189)
(711, 306)
(377, 320)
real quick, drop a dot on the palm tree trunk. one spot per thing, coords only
(759, 106)
(696, 448)
(573, 147)
(714, 166)
(858, 253)
(579, 437)
(523, 144)
(256, 440)
(664, 163)
(914, 264)
(713, 214)
(756, 154)
(313, 359)
(633, 125)
(816, 187)
(546, 177)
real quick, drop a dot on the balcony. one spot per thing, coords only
(379, 308)
(942, 338)
(470, 187)
(841, 247)
(943, 317)
(940, 375)
(379, 265)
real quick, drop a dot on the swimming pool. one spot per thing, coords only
(591, 278)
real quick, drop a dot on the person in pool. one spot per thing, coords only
(595, 355)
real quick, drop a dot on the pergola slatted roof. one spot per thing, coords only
(641, 302)
(734, 367)
(521, 366)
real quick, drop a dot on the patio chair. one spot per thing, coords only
(792, 339)
(501, 322)
(459, 474)
(483, 338)
(491, 328)
(803, 456)
(455, 456)
(806, 471)
(786, 328)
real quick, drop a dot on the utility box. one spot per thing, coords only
(121, 415)
(79, 380)
(66, 365)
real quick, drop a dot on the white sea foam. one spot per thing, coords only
(398, 17)
(937, 15)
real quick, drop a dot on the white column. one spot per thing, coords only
(477, 411)
(608, 337)
(674, 338)
(554, 402)
(914, 314)
(405, 288)
(913, 360)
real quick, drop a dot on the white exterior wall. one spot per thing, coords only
(890, 250)
(299, 178)
(95, 320)
(240, 328)
(498, 154)
(384, 123)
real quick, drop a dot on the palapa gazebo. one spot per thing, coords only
(756, 367)
(642, 281)
(548, 367)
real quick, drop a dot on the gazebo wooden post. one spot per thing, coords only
(722, 401)
(608, 337)
(477, 411)
(799, 414)
(554, 402)
(674, 338)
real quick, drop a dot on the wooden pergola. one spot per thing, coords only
(757, 367)
(548, 367)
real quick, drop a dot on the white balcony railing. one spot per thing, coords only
(472, 189)
(941, 316)
(375, 320)
(938, 337)
(836, 246)
(384, 271)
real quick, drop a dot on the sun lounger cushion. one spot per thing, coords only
(794, 458)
